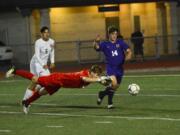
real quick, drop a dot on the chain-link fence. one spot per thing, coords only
(4, 36)
(83, 51)
(153, 47)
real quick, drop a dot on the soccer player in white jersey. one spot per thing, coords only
(44, 50)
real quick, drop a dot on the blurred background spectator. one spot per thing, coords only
(137, 39)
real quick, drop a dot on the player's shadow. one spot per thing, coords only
(71, 106)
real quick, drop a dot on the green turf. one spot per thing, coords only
(76, 113)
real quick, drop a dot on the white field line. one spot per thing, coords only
(96, 116)
(5, 106)
(9, 81)
(7, 112)
(45, 104)
(139, 95)
(168, 75)
(4, 131)
(128, 76)
(103, 122)
(54, 126)
(8, 94)
(152, 70)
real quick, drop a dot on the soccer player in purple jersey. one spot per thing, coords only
(116, 51)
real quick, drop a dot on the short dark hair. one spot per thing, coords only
(112, 29)
(44, 28)
(96, 69)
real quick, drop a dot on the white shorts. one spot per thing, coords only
(38, 70)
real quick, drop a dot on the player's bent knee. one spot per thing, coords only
(114, 83)
(43, 92)
(35, 79)
(115, 87)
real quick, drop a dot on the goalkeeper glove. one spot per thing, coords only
(105, 80)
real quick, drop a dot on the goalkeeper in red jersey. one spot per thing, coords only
(54, 81)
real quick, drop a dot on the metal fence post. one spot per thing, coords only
(78, 43)
(156, 40)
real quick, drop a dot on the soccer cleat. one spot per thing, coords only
(99, 101)
(110, 106)
(10, 72)
(25, 107)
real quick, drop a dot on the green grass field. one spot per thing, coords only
(155, 111)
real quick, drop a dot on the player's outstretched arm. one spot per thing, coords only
(128, 54)
(104, 80)
(97, 42)
(90, 79)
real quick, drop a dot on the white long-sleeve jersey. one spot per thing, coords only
(44, 50)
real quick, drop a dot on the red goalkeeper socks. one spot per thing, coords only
(34, 97)
(24, 74)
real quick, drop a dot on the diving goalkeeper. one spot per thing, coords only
(54, 81)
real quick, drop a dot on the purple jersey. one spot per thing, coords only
(115, 56)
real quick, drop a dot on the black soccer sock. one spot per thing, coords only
(102, 94)
(110, 96)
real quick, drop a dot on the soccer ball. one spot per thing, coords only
(133, 89)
